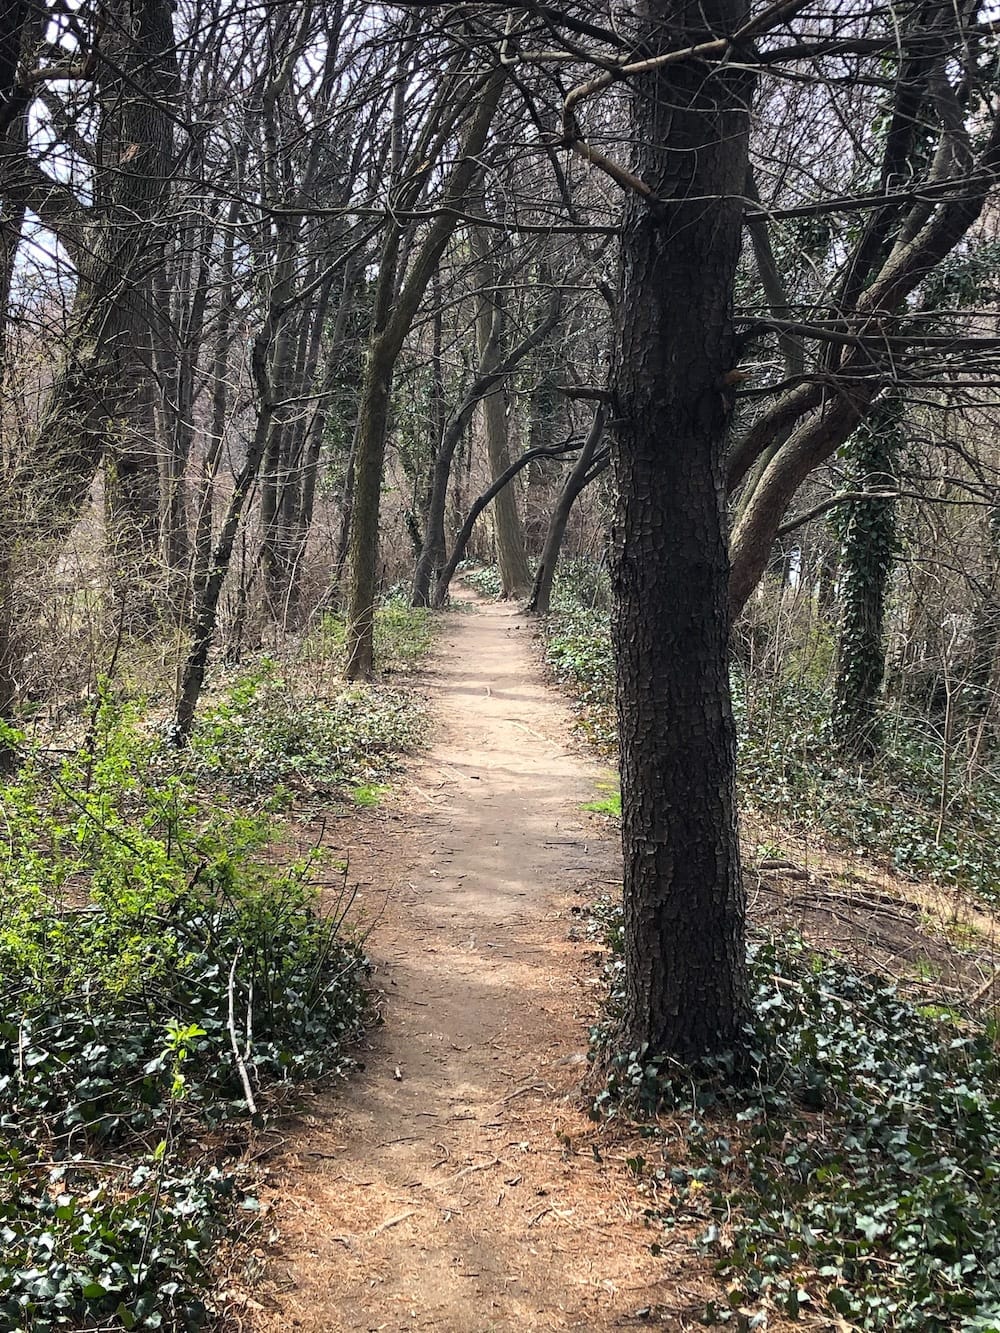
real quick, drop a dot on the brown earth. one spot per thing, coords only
(457, 1184)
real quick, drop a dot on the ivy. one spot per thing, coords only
(856, 1171)
(867, 529)
(163, 981)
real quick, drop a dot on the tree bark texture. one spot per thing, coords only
(686, 987)
(101, 402)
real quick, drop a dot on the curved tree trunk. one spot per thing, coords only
(584, 472)
(100, 403)
(491, 492)
(491, 373)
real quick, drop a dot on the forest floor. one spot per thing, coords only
(452, 1185)
(457, 1183)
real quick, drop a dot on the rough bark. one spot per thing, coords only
(100, 403)
(686, 988)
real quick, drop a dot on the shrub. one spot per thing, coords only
(265, 733)
(161, 978)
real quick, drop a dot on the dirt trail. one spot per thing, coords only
(455, 1184)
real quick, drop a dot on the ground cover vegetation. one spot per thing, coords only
(853, 1174)
(849, 1169)
(167, 980)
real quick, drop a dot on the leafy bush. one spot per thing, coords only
(82, 1251)
(856, 1169)
(160, 978)
(578, 649)
(582, 584)
(485, 579)
(403, 635)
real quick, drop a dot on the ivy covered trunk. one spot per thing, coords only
(868, 549)
(686, 988)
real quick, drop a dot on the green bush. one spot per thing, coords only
(790, 771)
(161, 978)
(485, 579)
(578, 649)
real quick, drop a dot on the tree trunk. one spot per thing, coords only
(686, 987)
(512, 555)
(393, 317)
(492, 491)
(369, 462)
(582, 475)
(492, 371)
(100, 402)
(207, 606)
(867, 553)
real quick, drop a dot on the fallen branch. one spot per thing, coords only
(240, 1065)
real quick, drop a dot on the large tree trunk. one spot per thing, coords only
(101, 402)
(686, 988)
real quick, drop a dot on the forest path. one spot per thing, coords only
(455, 1184)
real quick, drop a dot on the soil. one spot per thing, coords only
(453, 1184)
(457, 1183)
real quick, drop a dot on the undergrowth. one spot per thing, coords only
(165, 983)
(270, 732)
(162, 980)
(790, 772)
(403, 635)
(854, 1174)
(484, 578)
(290, 727)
